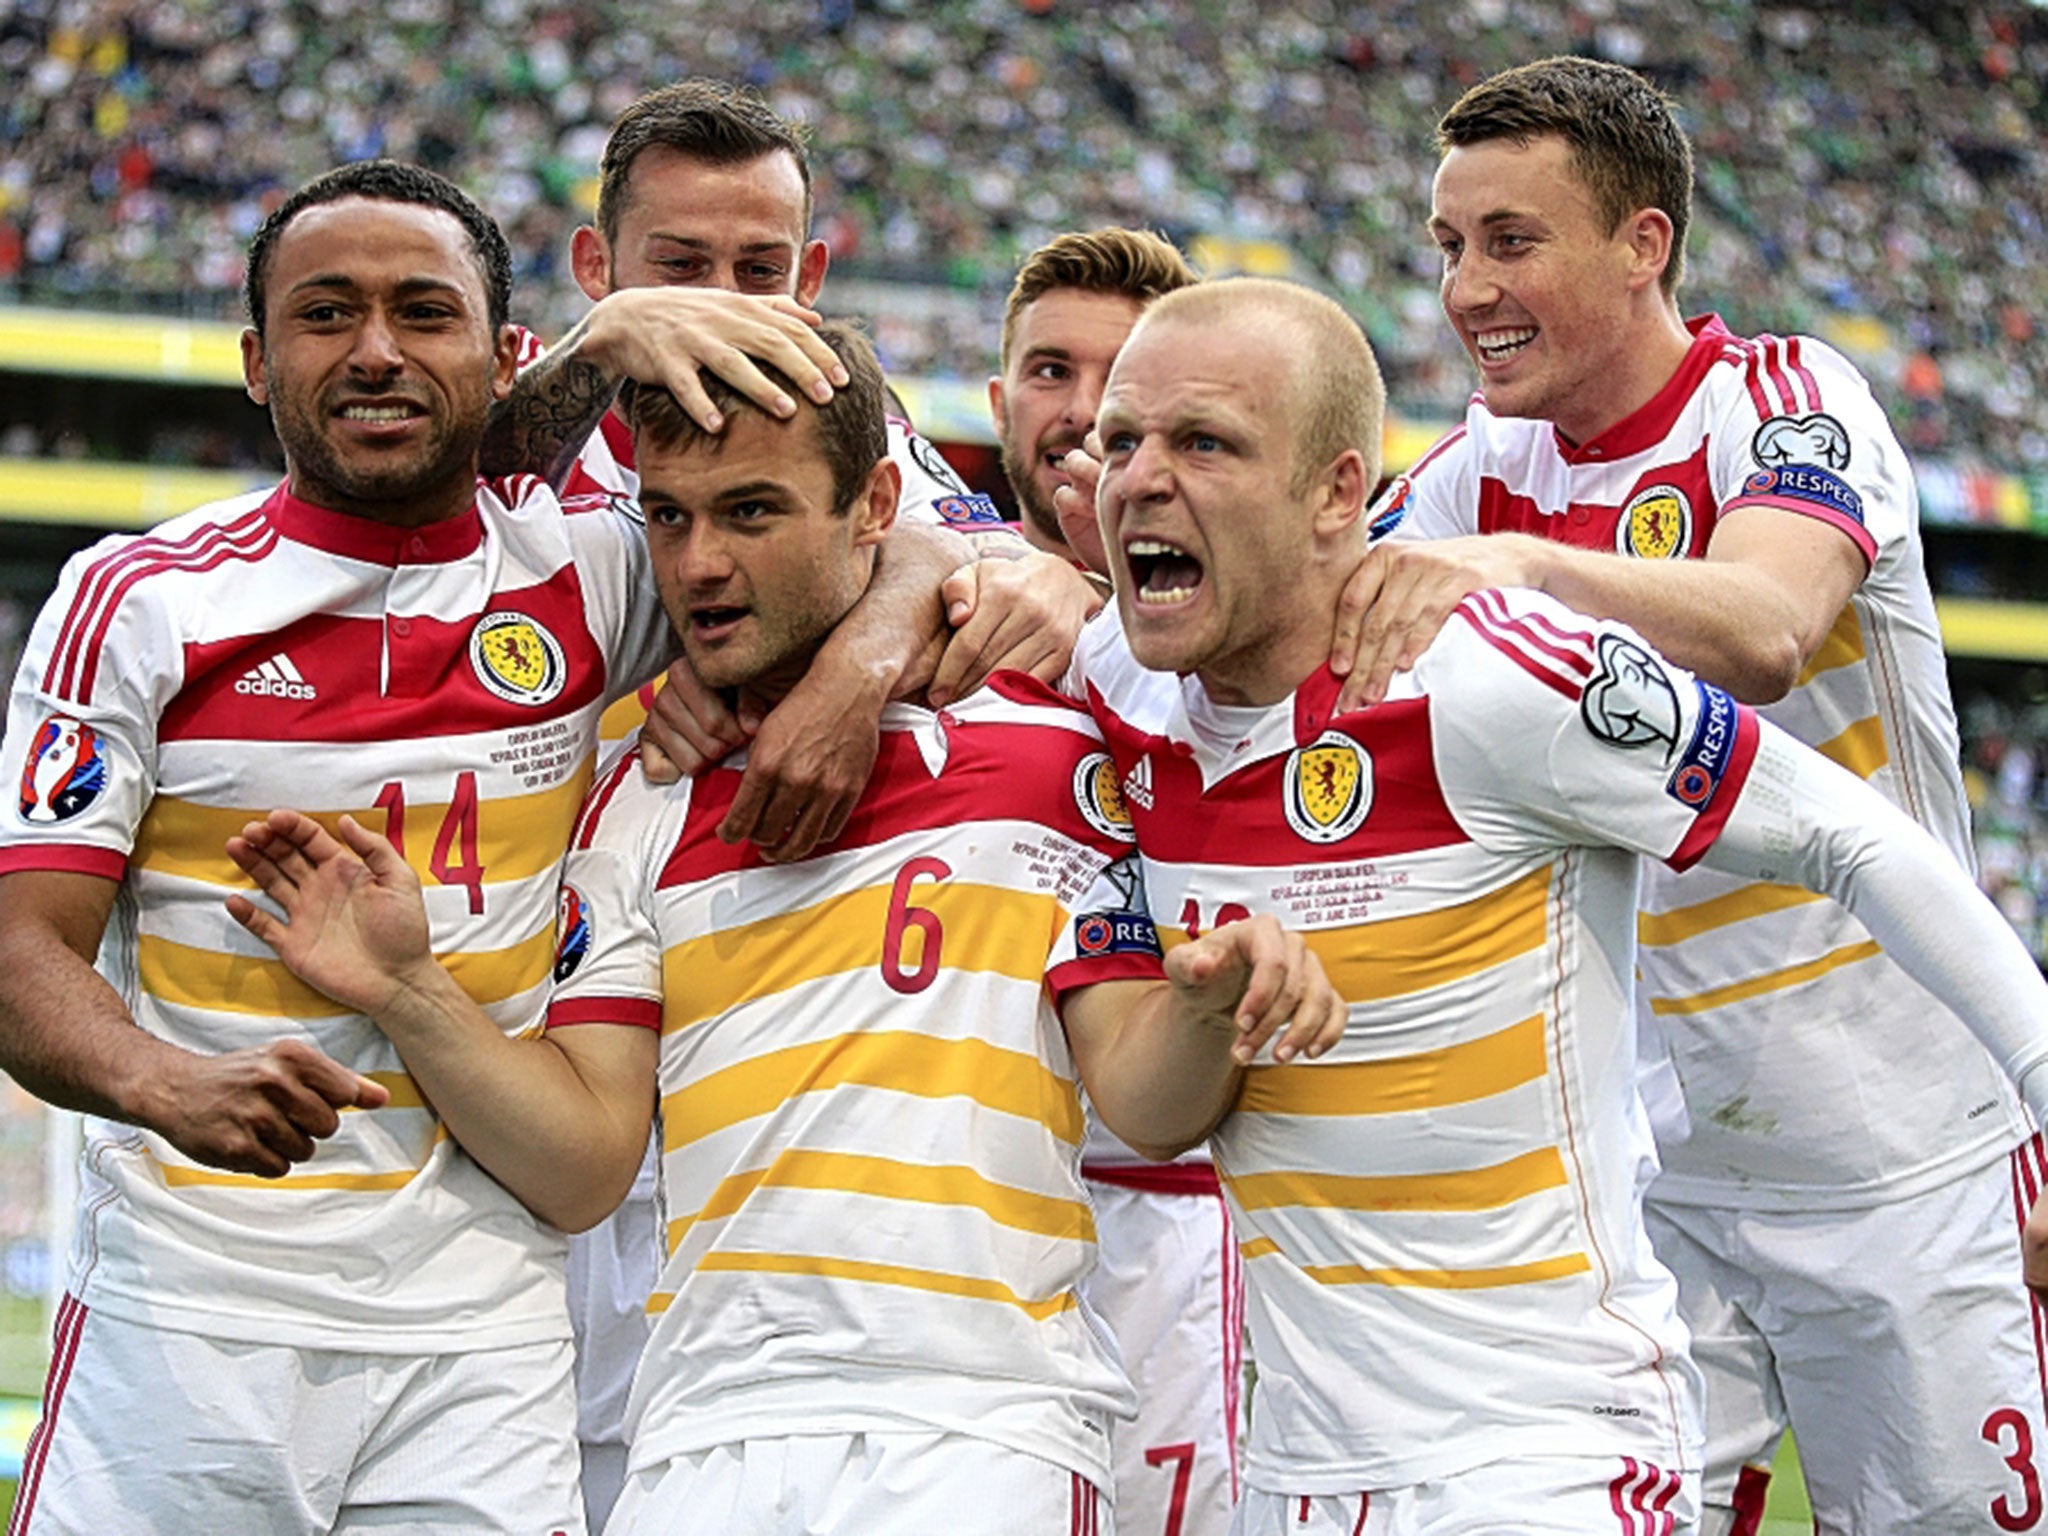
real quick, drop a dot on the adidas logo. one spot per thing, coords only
(278, 678)
(1138, 784)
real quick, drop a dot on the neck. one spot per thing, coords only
(1659, 350)
(434, 505)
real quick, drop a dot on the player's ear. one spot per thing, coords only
(504, 361)
(995, 402)
(1649, 235)
(810, 271)
(252, 367)
(1340, 493)
(590, 259)
(874, 504)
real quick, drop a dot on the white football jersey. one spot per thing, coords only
(870, 1180)
(441, 684)
(1440, 1218)
(1799, 1049)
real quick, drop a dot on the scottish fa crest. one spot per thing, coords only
(517, 659)
(1327, 788)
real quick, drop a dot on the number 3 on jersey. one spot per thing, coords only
(903, 919)
(457, 837)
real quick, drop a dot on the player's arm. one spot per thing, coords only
(66, 1036)
(1804, 819)
(1746, 617)
(561, 1120)
(1162, 1060)
(659, 336)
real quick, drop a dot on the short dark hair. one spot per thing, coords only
(853, 427)
(1126, 263)
(1625, 141)
(389, 181)
(710, 120)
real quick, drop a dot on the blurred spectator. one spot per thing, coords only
(1871, 161)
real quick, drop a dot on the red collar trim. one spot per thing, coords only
(362, 538)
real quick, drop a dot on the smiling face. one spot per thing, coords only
(1562, 315)
(687, 222)
(754, 565)
(1046, 400)
(1209, 541)
(378, 360)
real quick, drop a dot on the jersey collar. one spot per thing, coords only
(362, 538)
(1648, 425)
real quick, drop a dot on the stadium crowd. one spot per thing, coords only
(1870, 162)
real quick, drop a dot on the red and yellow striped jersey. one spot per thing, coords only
(870, 1125)
(443, 685)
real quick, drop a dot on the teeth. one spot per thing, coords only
(376, 412)
(1164, 597)
(1498, 344)
(1155, 547)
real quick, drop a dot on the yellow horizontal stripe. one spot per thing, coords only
(1399, 955)
(875, 1274)
(1451, 1279)
(622, 717)
(982, 928)
(1457, 1074)
(405, 1093)
(1860, 748)
(180, 1177)
(1471, 1189)
(1433, 1279)
(855, 1174)
(905, 1062)
(188, 977)
(518, 836)
(1770, 981)
(1681, 923)
(1842, 648)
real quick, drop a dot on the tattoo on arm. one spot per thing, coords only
(553, 408)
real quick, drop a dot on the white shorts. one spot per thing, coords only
(1517, 1496)
(893, 1483)
(1896, 1340)
(145, 1431)
(1169, 1285)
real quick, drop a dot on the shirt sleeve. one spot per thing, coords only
(1804, 435)
(933, 493)
(1438, 498)
(621, 603)
(607, 943)
(80, 747)
(1551, 729)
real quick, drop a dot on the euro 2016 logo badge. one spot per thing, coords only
(1101, 801)
(572, 925)
(517, 659)
(1656, 524)
(66, 771)
(1328, 788)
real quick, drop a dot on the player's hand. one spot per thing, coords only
(1263, 979)
(691, 728)
(1074, 505)
(1023, 614)
(354, 924)
(2034, 1247)
(261, 1110)
(665, 335)
(810, 758)
(1402, 593)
